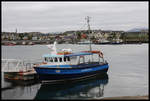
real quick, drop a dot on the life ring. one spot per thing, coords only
(101, 54)
(44, 63)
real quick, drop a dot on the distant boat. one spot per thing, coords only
(9, 44)
(103, 41)
(31, 43)
(117, 41)
(84, 42)
(24, 43)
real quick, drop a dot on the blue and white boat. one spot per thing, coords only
(65, 65)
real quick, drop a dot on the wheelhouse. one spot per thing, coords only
(84, 57)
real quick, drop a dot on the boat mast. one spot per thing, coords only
(88, 25)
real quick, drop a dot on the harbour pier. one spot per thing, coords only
(18, 70)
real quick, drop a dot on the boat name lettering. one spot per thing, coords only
(57, 71)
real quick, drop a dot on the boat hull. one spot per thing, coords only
(60, 74)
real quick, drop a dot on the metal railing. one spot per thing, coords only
(16, 65)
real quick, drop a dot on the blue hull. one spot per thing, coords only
(61, 74)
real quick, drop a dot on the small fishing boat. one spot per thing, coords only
(67, 65)
(10, 44)
(84, 42)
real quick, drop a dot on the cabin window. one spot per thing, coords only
(60, 59)
(51, 59)
(68, 58)
(45, 59)
(56, 60)
(64, 59)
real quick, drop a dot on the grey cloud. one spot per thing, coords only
(50, 16)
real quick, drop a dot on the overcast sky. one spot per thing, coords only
(64, 16)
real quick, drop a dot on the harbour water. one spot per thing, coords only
(127, 74)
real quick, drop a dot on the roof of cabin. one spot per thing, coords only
(73, 54)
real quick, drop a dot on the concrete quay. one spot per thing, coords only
(145, 97)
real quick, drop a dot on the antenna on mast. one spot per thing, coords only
(16, 30)
(88, 24)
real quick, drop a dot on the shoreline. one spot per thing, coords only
(73, 43)
(44, 42)
(144, 97)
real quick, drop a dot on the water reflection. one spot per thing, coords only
(16, 89)
(21, 82)
(91, 88)
(21, 92)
